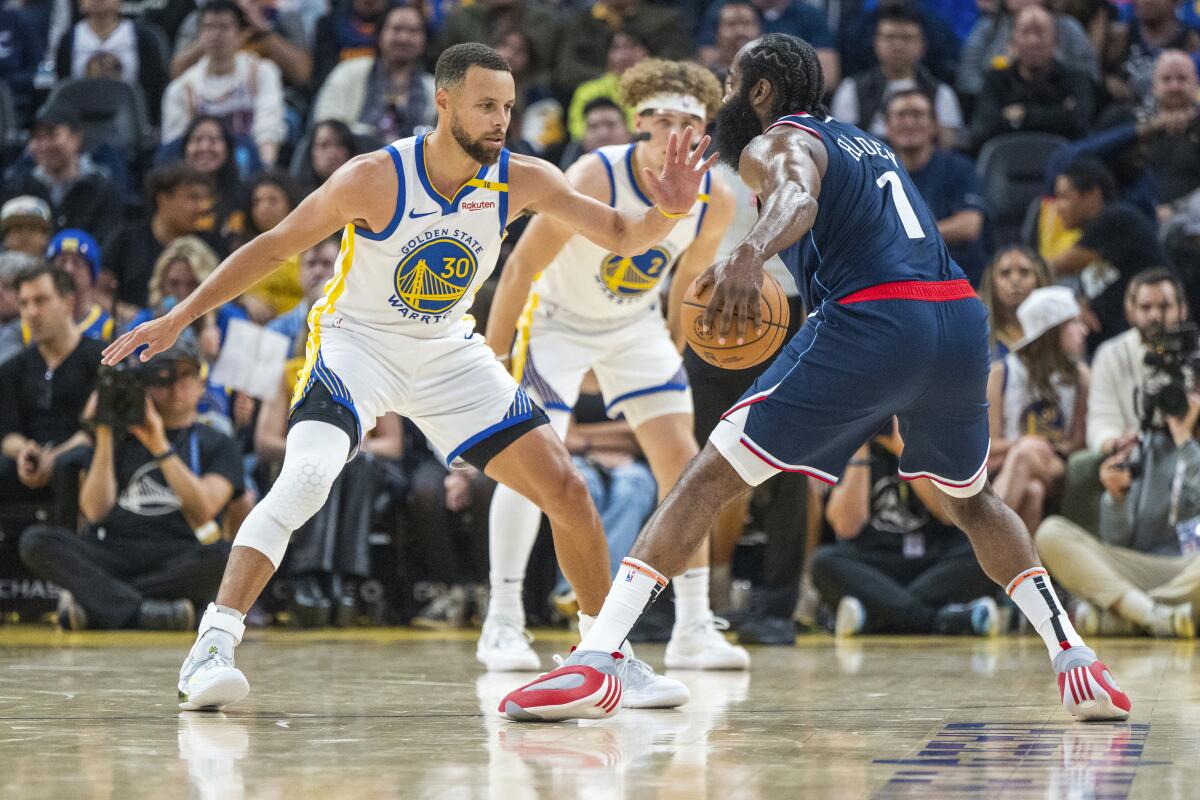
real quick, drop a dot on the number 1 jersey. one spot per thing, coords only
(872, 225)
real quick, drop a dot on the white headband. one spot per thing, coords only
(669, 101)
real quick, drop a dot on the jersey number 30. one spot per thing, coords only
(908, 217)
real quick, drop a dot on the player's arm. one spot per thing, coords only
(538, 246)
(784, 168)
(701, 253)
(360, 190)
(543, 189)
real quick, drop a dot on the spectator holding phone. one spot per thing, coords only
(153, 495)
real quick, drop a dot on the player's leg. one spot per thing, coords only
(669, 446)
(946, 440)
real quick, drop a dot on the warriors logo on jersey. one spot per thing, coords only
(435, 276)
(629, 277)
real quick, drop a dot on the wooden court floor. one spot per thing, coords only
(379, 713)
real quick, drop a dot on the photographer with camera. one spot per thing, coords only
(1142, 572)
(43, 390)
(157, 484)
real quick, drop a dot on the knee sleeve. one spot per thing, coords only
(316, 452)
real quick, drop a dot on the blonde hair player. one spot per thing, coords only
(576, 306)
(423, 219)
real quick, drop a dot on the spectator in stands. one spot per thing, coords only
(794, 17)
(77, 253)
(80, 196)
(586, 39)
(738, 23)
(1153, 301)
(1117, 242)
(241, 88)
(330, 146)
(537, 121)
(1141, 572)
(483, 21)
(210, 148)
(20, 54)
(179, 198)
(946, 180)
(899, 46)
(153, 501)
(1037, 398)
(104, 32)
(605, 123)
(348, 31)
(389, 96)
(270, 197)
(273, 32)
(25, 225)
(626, 50)
(12, 263)
(899, 565)
(991, 40)
(1154, 29)
(316, 269)
(43, 390)
(1012, 275)
(1033, 91)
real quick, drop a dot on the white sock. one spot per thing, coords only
(635, 586)
(513, 524)
(1136, 606)
(691, 596)
(1034, 595)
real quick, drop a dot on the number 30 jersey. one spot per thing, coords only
(872, 225)
(590, 283)
(419, 275)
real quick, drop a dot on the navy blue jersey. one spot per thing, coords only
(872, 226)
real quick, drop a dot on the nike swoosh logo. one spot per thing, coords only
(412, 214)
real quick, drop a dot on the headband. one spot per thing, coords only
(670, 101)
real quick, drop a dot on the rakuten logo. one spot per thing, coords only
(480, 206)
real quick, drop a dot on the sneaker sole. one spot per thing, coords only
(601, 703)
(223, 690)
(525, 662)
(673, 697)
(1087, 700)
(735, 663)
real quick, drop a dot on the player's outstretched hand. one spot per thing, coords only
(157, 335)
(737, 287)
(675, 188)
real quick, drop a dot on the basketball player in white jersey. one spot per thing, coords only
(423, 220)
(591, 309)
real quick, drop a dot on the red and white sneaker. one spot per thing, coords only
(586, 686)
(1091, 693)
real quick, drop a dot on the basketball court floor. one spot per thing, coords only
(379, 713)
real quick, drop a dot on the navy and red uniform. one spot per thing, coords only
(894, 329)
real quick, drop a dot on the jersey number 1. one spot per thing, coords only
(908, 217)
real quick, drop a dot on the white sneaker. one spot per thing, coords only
(701, 645)
(504, 647)
(642, 687)
(851, 617)
(210, 681)
(1173, 622)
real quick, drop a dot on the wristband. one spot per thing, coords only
(164, 455)
(668, 214)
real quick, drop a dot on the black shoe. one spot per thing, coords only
(167, 615)
(72, 617)
(308, 605)
(767, 630)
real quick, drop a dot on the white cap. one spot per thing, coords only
(1043, 311)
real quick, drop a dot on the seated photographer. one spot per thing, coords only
(43, 390)
(1142, 573)
(153, 494)
(899, 566)
(1154, 302)
(1037, 403)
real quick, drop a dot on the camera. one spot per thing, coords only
(120, 397)
(1173, 356)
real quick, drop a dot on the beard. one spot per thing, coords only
(737, 125)
(475, 148)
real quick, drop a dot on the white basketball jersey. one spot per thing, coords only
(589, 282)
(419, 275)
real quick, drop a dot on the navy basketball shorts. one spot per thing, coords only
(914, 350)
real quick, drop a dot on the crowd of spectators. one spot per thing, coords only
(145, 141)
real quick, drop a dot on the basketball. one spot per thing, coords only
(756, 347)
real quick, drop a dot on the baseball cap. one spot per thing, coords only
(52, 116)
(25, 209)
(160, 370)
(73, 240)
(1043, 311)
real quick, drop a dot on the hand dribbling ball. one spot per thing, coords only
(756, 347)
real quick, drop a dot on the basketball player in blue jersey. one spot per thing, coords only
(894, 330)
(423, 220)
